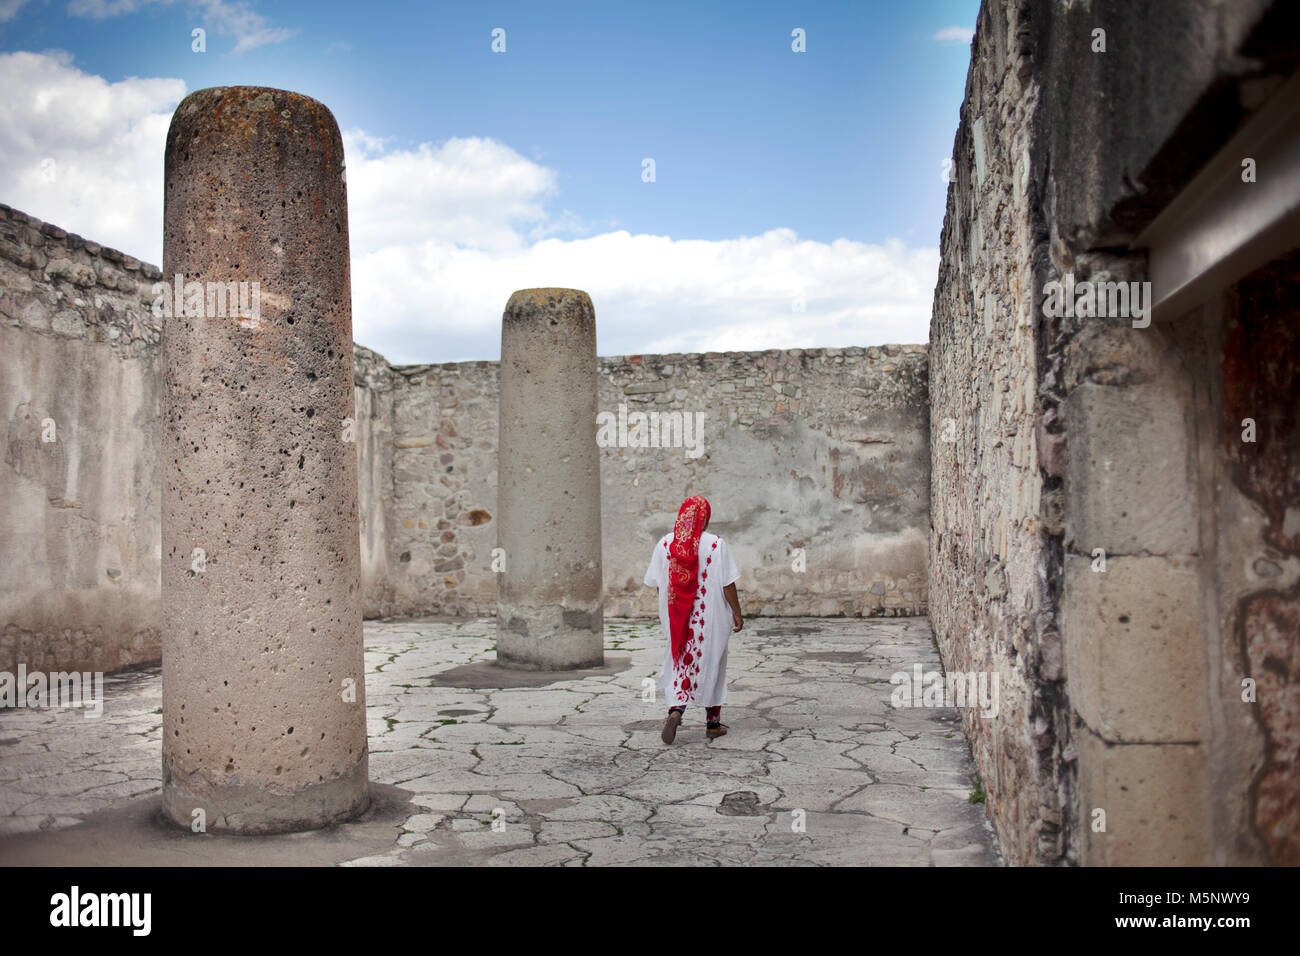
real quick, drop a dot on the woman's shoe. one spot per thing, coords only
(714, 732)
(671, 723)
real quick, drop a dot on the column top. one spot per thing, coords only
(529, 303)
(235, 110)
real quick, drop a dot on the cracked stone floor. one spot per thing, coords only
(567, 773)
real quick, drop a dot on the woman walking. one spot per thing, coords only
(699, 610)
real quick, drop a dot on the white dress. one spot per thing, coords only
(701, 677)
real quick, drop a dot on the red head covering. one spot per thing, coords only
(683, 565)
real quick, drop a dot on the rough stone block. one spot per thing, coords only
(1132, 639)
(1155, 801)
(1129, 490)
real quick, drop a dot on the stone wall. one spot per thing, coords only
(819, 451)
(815, 461)
(373, 389)
(992, 514)
(80, 387)
(1128, 555)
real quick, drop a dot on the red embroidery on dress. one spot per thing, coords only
(687, 675)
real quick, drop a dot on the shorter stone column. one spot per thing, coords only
(550, 613)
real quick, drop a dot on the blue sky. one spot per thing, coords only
(780, 177)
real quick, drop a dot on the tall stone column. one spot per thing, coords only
(264, 720)
(549, 600)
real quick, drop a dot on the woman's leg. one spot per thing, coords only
(715, 727)
(671, 722)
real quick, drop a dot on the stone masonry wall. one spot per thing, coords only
(1198, 592)
(80, 387)
(373, 390)
(991, 513)
(819, 450)
(1063, 440)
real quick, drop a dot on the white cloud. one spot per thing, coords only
(433, 301)
(84, 153)
(227, 17)
(442, 235)
(954, 35)
(250, 29)
(9, 9)
(467, 191)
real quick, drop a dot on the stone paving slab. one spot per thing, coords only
(818, 769)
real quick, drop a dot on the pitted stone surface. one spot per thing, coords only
(262, 630)
(549, 592)
(576, 769)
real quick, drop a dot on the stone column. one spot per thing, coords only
(549, 599)
(264, 721)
